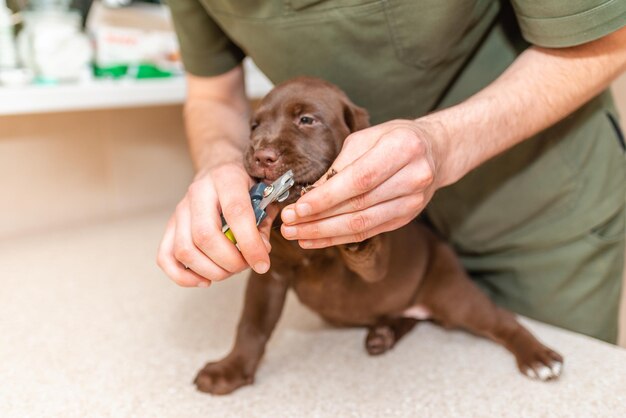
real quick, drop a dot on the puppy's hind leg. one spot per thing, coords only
(455, 301)
(384, 335)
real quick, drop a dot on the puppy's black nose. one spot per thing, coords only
(265, 157)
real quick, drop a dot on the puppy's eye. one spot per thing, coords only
(306, 120)
(254, 125)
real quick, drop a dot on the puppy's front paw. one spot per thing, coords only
(306, 189)
(222, 377)
(542, 364)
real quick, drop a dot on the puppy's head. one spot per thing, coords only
(300, 125)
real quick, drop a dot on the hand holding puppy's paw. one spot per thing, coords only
(222, 377)
(306, 189)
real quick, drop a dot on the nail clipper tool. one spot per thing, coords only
(261, 195)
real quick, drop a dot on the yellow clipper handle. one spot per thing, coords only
(256, 194)
(229, 234)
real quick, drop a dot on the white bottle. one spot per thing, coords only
(8, 55)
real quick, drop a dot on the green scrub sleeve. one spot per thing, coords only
(565, 23)
(206, 50)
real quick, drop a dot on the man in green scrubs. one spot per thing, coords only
(493, 113)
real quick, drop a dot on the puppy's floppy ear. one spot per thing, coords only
(356, 117)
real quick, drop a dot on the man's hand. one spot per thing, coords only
(386, 175)
(194, 250)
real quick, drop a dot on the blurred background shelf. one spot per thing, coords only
(91, 95)
(108, 94)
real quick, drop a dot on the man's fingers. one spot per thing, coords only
(266, 226)
(186, 252)
(347, 239)
(356, 225)
(239, 215)
(172, 267)
(207, 232)
(194, 250)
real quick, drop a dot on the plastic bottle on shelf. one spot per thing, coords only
(51, 44)
(8, 55)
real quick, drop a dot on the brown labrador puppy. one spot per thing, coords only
(386, 283)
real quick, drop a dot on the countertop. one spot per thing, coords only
(91, 327)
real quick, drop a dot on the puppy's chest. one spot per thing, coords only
(323, 283)
(317, 272)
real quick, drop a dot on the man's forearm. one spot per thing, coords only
(216, 119)
(539, 89)
(216, 133)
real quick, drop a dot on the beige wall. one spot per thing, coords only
(61, 170)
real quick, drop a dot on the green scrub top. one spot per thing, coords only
(405, 58)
